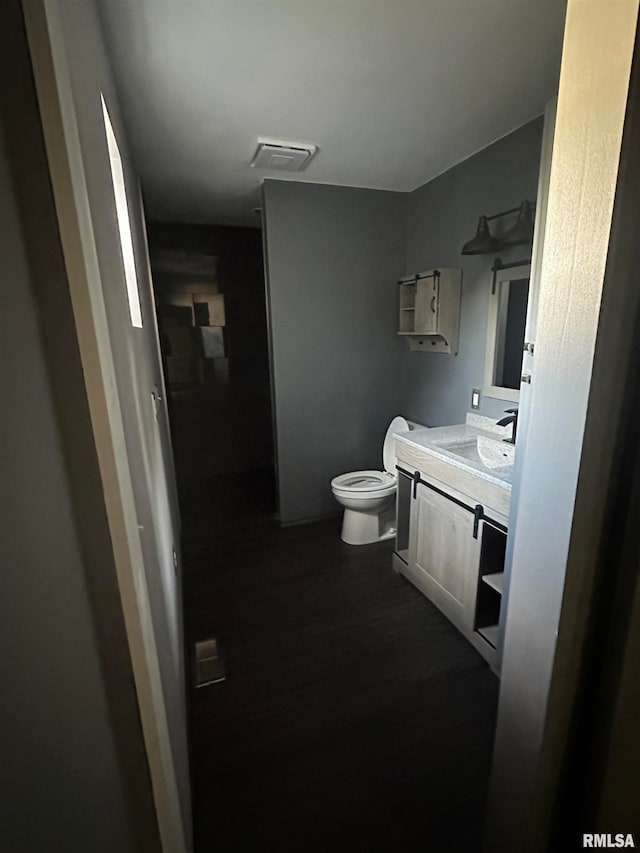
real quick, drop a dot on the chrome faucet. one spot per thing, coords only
(512, 419)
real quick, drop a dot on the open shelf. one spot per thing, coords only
(490, 634)
(495, 581)
(429, 310)
(490, 584)
(407, 307)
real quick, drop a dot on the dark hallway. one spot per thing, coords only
(210, 295)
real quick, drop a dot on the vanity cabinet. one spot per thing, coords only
(429, 310)
(454, 549)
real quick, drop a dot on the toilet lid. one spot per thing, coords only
(388, 448)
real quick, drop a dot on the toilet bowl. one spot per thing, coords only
(368, 496)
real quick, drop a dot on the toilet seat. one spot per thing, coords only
(365, 482)
(398, 424)
(368, 496)
(375, 484)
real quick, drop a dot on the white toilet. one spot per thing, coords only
(368, 496)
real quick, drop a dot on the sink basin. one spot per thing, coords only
(490, 452)
(494, 452)
(467, 449)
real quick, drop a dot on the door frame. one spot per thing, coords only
(69, 185)
(557, 667)
(585, 343)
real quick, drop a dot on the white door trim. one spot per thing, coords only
(554, 539)
(53, 85)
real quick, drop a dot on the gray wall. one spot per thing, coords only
(442, 216)
(61, 781)
(333, 256)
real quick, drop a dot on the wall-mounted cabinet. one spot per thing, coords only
(429, 310)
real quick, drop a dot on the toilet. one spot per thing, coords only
(368, 496)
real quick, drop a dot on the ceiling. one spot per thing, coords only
(393, 92)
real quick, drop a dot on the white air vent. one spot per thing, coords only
(283, 156)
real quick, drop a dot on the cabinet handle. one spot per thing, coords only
(433, 305)
(477, 511)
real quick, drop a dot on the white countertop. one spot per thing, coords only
(440, 442)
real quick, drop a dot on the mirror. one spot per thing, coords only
(505, 332)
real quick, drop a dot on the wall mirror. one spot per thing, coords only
(505, 332)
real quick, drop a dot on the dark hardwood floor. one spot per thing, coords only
(354, 716)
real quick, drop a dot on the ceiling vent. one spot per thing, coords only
(282, 156)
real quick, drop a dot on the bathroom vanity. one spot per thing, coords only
(453, 500)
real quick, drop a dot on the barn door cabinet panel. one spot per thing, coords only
(443, 555)
(429, 310)
(455, 557)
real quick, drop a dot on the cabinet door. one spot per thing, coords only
(427, 305)
(444, 556)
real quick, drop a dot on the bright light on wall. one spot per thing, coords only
(124, 224)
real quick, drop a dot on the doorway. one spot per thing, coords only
(273, 593)
(344, 688)
(210, 300)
